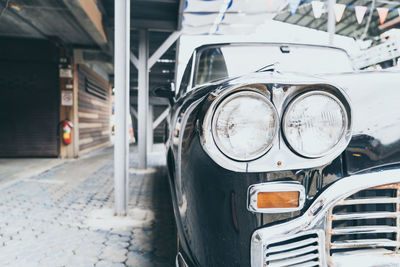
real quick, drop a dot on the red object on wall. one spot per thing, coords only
(66, 131)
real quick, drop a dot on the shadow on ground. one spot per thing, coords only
(151, 192)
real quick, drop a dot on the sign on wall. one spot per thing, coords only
(66, 98)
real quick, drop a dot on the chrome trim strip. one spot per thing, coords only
(367, 258)
(179, 256)
(371, 229)
(365, 215)
(378, 200)
(314, 219)
(254, 189)
(296, 260)
(292, 253)
(293, 245)
(364, 243)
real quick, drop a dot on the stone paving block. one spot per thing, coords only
(116, 244)
(43, 222)
(53, 261)
(78, 261)
(109, 264)
(114, 254)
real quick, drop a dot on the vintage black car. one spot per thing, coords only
(283, 155)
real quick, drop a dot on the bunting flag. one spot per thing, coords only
(318, 8)
(339, 10)
(293, 5)
(360, 13)
(383, 13)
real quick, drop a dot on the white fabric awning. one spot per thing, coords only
(228, 16)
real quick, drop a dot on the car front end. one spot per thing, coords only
(277, 168)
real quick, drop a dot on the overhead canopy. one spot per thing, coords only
(228, 16)
(89, 25)
(49, 19)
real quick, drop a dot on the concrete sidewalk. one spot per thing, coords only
(16, 168)
(63, 217)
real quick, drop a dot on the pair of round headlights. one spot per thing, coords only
(246, 123)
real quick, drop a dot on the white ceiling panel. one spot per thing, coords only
(245, 19)
(257, 6)
(196, 30)
(203, 6)
(198, 20)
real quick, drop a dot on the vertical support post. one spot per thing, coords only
(121, 147)
(75, 112)
(150, 130)
(331, 21)
(143, 97)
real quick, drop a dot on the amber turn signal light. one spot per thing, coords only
(278, 200)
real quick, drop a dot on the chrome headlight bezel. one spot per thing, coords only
(245, 92)
(280, 156)
(346, 124)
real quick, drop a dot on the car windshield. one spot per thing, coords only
(232, 60)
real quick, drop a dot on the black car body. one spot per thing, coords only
(348, 207)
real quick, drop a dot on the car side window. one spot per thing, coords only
(185, 79)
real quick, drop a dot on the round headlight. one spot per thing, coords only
(314, 123)
(244, 125)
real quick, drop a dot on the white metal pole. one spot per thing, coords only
(331, 21)
(143, 97)
(121, 146)
(150, 132)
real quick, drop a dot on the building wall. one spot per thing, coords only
(94, 110)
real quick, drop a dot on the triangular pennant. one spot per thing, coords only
(382, 12)
(339, 10)
(317, 8)
(360, 13)
(293, 5)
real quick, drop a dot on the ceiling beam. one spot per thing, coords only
(18, 18)
(164, 47)
(89, 17)
(134, 60)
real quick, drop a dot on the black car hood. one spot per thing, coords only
(375, 101)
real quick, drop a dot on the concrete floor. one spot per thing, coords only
(63, 216)
(15, 168)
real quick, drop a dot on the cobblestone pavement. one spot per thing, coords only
(55, 218)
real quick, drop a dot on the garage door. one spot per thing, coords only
(29, 109)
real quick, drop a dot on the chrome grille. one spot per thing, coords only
(368, 219)
(301, 250)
